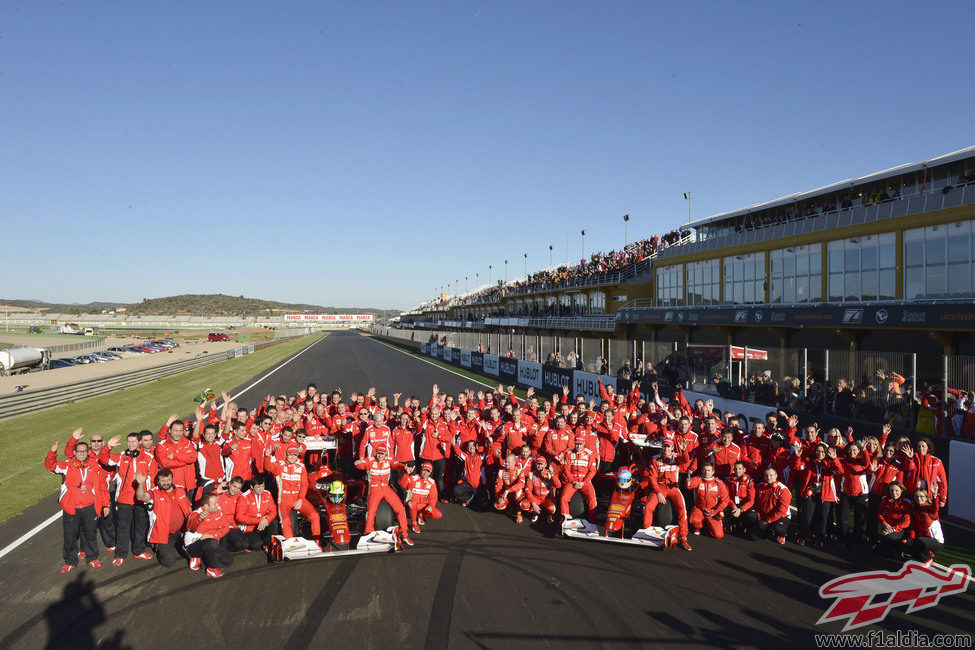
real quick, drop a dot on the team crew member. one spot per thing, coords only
(771, 513)
(376, 434)
(77, 499)
(928, 537)
(473, 477)
(435, 440)
(168, 509)
(540, 491)
(578, 469)
(206, 537)
(254, 514)
(664, 470)
(421, 497)
(178, 455)
(377, 473)
(292, 480)
(240, 452)
(710, 501)
(509, 487)
(741, 492)
(894, 516)
(98, 456)
(131, 518)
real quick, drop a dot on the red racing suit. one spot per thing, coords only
(377, 473)
(540, 491)
(663, 480)
(508, 488)
(710, 500)
(579, 467)
(422, 495)
(292, 481)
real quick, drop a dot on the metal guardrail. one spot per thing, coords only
(33, 400)
(87, 345)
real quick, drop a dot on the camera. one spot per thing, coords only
(134, 453)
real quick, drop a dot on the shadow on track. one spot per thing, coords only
(71, 621)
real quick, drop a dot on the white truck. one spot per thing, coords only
(23, 359)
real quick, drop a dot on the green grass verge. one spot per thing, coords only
(959, 547)
(25, 440)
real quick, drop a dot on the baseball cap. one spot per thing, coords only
(427, 466)
(381, 449)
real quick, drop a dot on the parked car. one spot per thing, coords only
(84, 358)
(105, 355)
(166, 345)
(61, 363)
(145, 349)
(217, 336)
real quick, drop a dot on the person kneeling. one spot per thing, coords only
(770, 518)
(710, 501)
(206, 535)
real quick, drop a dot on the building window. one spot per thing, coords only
(938, 261)
(670, 285)
(703, 282)
(597, 302)
(862, 268)
(744, 279)
(795, 274)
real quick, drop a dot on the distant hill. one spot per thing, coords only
(190, 305)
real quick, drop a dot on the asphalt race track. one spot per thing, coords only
(473, 579)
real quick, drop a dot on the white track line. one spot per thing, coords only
(44, 524)
(435, 365)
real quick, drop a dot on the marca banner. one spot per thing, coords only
(508, 369)
(465, 358)
(530, 374)
(555, 378)
(491, 364)
(477, 362)
(330, 318)
(586, 383)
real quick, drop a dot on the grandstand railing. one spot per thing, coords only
(840, 218)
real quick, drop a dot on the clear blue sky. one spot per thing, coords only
(366, 153)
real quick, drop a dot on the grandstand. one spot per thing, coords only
(861, 279)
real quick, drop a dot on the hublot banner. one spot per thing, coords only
(586, 383)
(477, 362)
(465, 358)
(554, 379)
(530, 374)
(508, 369)
(491, 364)
(945, 315)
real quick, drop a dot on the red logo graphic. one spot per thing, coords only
(864, 598)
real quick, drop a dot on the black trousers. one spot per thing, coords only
(814, 514)
(106, 524)
(238, 540)
(81, 526)
(778, 529)
(168, 554)
(214, 554)
(891, 543)
(438, 473)
(131, 529)
(873, 526)
(463, 492)
(922, 548)
(859, 506)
